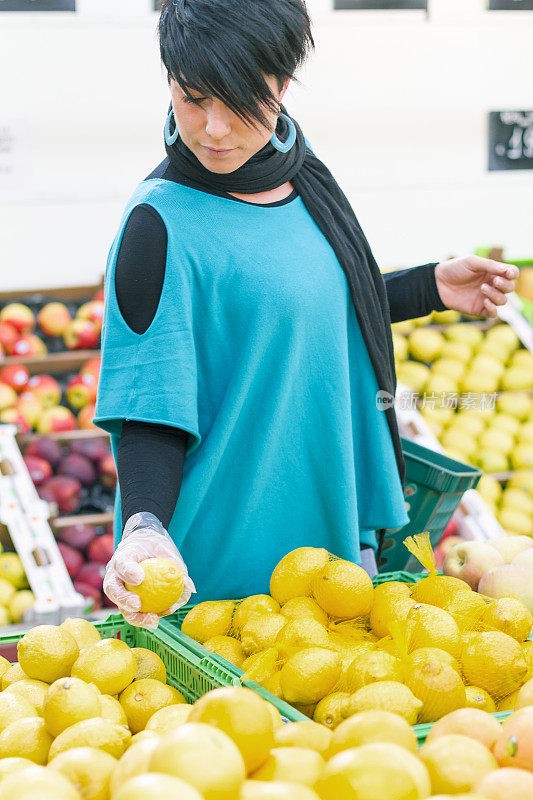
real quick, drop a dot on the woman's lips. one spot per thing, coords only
(218, 153)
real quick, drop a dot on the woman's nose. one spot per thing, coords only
(218, 120)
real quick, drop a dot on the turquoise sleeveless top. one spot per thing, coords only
(255, 350)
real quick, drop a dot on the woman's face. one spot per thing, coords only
(209, 126)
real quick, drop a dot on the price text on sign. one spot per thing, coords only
(37, 5)
(510, 5)
(510, 140)
(379, 5)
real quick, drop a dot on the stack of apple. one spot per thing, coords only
(78, 479)
(57, 325)
(500, 568)
(33, 402)
(85, 553)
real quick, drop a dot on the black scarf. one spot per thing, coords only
(330, 209)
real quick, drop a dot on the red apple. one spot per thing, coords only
(469, 561)
(44, 447)
(93, 449)
(8, 336)
(78, 467)
(101, 549)
(93, 575)
(86, 416)
(99, 295)
(54, 318)
(8, 396)
(108, 471)
(81, 390)
(81, 334)
(16, 376)
(56, 419)
(94, 312)
(39, 469)
(28, 346)
(92, 366)
(13, 417)
(72, 558)
(30, 408)
(79, 536)
(64, 491)
(90, 593)
(19, 316)
(46, 389)
(451, 529)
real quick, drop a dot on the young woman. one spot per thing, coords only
(247, 326)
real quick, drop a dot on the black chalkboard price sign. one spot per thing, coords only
(510, 5)
(37, 5)
(510, 140)
(379, 5)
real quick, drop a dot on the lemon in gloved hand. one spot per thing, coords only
(161, 587)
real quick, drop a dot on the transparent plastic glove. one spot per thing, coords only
(143, 537)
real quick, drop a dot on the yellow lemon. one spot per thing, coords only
(155, 785)
(294, 574)
(386, 609)
(428, 626)
(7, 591)
(47, 653)
(508, 702)
(343, 590)
(141, 699)
(203, 756)
(168, 718)
(12, 675)
(423, 653)
(527, 652)
(438, 589)
(141, 736)
(109, 664)
(372, 666)
(293, 764)
(68, 701)
(387, 696)
(149, 665)
(479, 698)
(275, 716)
(260, 632)
(276, 790)
(298, 607)
(243, 716)
(300, 633)
(135, 761)
(20, 603)
(261, 666)
(4, 665)
(208, 619)
(373, 726)
(111, 709)
(83, 631)
(437, 685)
(26, 738)
(465, 608)
(11, 570)
(88, 769)
(9, 765)
(161, 587)
(37, 783)
(456, 763)
(310, 675)
(253, 606)
(227, 647)
(96, 732)
(13, 707)
(380, 770)
(328, 710)
(32, 690)
(305, 733)
(494, 661)
(509, 616)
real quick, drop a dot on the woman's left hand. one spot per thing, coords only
(475, 285)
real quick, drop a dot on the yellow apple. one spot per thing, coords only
(473, 425)
(518, 404)
(492, 461)
(504, 335)
(489, 488)
(425, 344)
(522, 456)
(401, 348)
(516, 378)
(461, 351)
(404, 328)
(459, 441)
(512, 519)
(517, 499)
(507, 423)
(464, 332)
(521, 479)
(485, 363)
(498, 440)
(448, 366)
(478, 382)
(413, 374)
(446, 317)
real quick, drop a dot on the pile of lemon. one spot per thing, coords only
(330, 644)
(15, 595)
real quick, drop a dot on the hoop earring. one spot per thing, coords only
(284, 147)
(170, 139)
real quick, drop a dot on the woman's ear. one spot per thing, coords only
(285, 87)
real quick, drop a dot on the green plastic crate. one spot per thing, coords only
(188, 669)
(434, 485)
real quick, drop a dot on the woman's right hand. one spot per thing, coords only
(143, 537)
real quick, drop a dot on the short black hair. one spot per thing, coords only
(223, 48)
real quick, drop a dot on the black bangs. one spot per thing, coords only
(224, 48)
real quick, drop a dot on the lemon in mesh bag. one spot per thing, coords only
(372, 666)
(437, 685)
(250, 607)
(300, 633)
(493, 661)
(508, 616)
(386, 695)
(429, 626)
(435, 589)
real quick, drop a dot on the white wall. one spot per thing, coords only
(395, 103)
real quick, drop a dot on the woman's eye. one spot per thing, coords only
(195, 100)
